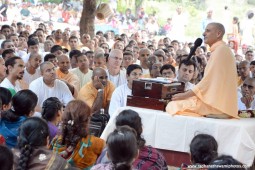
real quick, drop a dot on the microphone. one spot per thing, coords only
(197, 43)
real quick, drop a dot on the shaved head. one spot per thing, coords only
(97, 71)
(219, 27)
(42, 66)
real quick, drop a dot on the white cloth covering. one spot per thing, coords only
(163, 131)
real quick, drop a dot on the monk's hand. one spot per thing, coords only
(97, 83)
(179, 96)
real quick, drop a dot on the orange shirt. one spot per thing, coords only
(71, 79)
(88, 93)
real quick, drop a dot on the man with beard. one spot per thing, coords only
(31, 71)
(15, 71)
(97, 93)
(71, 80)
(48, 86)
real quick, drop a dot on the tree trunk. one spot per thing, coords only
(87, 22)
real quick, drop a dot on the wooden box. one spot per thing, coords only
(157, 90)
(148, 103)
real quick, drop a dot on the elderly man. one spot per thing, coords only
(15, 71)
(246, 97)
(48, 86)
(115, 74)
(97, 93)
(119, 96)
(215, 95)
(63, 73)
(244, 71)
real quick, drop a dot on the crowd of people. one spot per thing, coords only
(51, 83)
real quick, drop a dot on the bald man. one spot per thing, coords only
(32, 70)
(114, 73)
(244, 71)
(97, 93)
(63, 73)
(144, 54)
(48, 86)
(216, 94)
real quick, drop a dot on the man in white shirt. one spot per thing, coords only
(119, 96)
(115, 74)
(48, 86)
(246, 97)
(15, 71)
(32, 70)
(185, 73)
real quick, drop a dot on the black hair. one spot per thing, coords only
(204, 48)
(99, 32)
(252, 62)
(5, 26)
(32, 36)
(226, 160)
(89, 52)
(6, 158)
(132, 67)
(5, 96)
(55, 48)
(128, 53)
(50, 108)
(166, 67)
(248, 51)
(203, 149)
(73, 37)
(7, 51)
(20, 23)
(49, 56)
(23, 102)
(122, 148)
(32, 41)
(188, 63)
(74, 53)
(131, 118)
(11, 62)
(33, 132)
(5, 41)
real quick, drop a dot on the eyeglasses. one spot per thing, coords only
(249, 86)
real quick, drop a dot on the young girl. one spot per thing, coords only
(75, 144)
(52, 111)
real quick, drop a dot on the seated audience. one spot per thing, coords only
(51, 58)
(32, 152)
(149, 157)
(99, 60)
(23, 105)
(244, 71)
(75, 144)
(52, 112)
(97, 93)
(122, 150)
